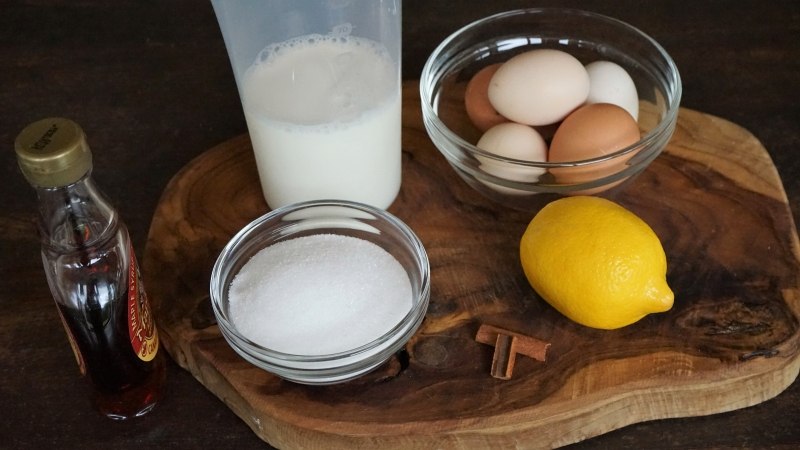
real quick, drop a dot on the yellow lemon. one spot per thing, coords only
(595, 262)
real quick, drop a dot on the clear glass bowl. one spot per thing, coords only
(586, 36)
(323, 217)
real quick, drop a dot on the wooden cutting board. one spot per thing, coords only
(731, 340)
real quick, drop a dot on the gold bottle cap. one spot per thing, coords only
(53, 152)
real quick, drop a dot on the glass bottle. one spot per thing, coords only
(92, 272)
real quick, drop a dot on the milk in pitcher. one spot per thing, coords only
(324, 118)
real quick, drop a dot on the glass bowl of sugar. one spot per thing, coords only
(321, 292)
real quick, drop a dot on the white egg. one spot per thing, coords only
(539, 87)
(610, 83)
(514, 141)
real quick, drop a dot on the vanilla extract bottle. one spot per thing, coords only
(92, 272)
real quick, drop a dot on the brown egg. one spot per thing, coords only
(593, 131)
(476, 100)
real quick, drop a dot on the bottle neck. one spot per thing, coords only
(75, 216)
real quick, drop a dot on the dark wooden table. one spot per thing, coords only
(151, 84)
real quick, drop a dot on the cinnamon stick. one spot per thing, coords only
(507, 344)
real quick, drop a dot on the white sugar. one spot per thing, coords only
(319, 294)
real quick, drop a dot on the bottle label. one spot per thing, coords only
(141, 326)
(71, 338)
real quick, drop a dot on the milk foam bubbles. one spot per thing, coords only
(324, 115)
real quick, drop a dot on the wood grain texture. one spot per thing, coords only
(730, 341)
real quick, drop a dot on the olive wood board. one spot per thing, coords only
(730, 341)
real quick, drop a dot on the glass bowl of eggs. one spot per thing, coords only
(534, 104)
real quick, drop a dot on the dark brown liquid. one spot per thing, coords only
(123, 386)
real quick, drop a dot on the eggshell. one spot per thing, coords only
(515, 141)
(593, 131)
(610, 83)
(476, 100)
(539, 87)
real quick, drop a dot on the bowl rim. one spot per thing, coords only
(414, 316)
(663, 126)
